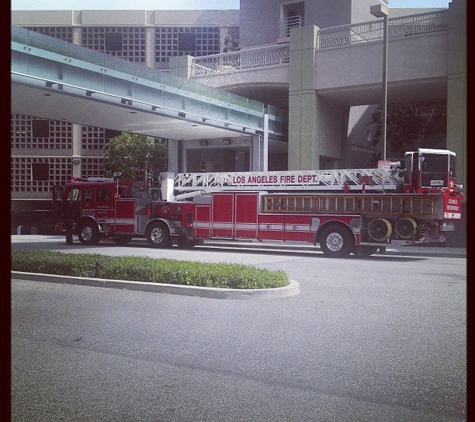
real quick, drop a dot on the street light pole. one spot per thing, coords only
(381, 11)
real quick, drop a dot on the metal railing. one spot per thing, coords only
(373, 31)
(240, 60)
(338, 36)
(285, 25)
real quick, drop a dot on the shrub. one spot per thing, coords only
(223, 275)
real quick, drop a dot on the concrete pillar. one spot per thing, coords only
(77, 35)
(303, 148)
(76, 150)
(76, 129)
(150, 48)
(255, 153)
(173, 147)
(264, 165)
(181, 66)
(317, 127)
(457, 88)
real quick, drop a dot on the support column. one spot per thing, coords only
(303, 148)
(173, 147)
(76, 150)
(317, 127)
(181, 66)
(150, 47)
(264, 146)
(457, 87)
(76, 159)
(255, 153)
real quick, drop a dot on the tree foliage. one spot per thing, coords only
(137, 157)
(412, 125)
(230, 44)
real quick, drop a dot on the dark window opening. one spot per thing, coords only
(39, 171)
(113, 41)
(40, 128)
(187, 42)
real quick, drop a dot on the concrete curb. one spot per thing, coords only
(209, 292)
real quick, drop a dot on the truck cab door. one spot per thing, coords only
(104, 203)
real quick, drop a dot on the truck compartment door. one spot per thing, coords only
(246, 212)
(222, 215)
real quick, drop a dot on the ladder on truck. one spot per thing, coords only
(188, 185)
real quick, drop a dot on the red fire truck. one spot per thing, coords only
(344, 211)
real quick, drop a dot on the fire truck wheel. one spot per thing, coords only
(158, 235)
(88, 233)
(122, 240)
(336, 241)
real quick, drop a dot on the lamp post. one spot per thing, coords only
(381, 11)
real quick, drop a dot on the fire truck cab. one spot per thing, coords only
(119, 210)
(429, 170)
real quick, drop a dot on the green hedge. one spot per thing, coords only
(223, 275)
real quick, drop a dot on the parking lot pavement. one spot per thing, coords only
(45, 241)
(402, 250)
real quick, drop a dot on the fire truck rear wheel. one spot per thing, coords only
(336, 241)
(88, 233)
(158, 235)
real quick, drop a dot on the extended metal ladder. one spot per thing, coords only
(371, 204)
(188, 185)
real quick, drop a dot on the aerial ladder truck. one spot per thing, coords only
(344, 211)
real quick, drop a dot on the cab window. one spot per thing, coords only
(73, 194)
(87, 195)
(103, 195)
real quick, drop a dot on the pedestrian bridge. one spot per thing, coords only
(347, 62)
(57, 80)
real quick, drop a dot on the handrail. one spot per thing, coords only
(338, 36)
(240, 60)
(400, 27)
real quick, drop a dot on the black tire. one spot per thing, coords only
(158, 235)
(122, 240)
(88, 233)
(336, 241)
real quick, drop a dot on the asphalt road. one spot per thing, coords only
(375, 339)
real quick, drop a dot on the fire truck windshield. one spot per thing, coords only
(435, 169)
